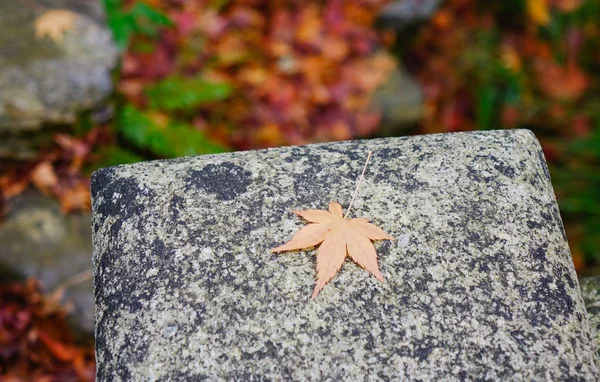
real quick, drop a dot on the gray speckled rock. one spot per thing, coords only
(45, 82)
(400, 101)
(401, 13)
(590, 289)
(38, 240)
(479, 284)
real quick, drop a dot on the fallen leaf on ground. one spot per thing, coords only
(54, 24)
(568, 5)
(44, 177)
(565, 83)
(338, 237)
(36, 342)
(61, 351)
(75, 197)
(13, 183)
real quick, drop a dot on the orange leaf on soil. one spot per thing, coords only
(44, 177)
(13, 184)
(565, 83)
(309, 29)
(61, 351)
(334, 48)
(567, 5)
(75, 198)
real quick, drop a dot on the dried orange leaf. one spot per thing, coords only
(54, 24)
(315, 216)
(338, 237)
(44, 177)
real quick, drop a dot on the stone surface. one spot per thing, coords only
(400, 101)
(44, 82)
(479, 284)
(24, 146)
(590, 289)
(400, 14)
(37, 240)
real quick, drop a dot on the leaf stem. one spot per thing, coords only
(358, 185)
(77, 278)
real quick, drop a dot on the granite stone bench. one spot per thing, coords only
(478, 285)
(590, 290)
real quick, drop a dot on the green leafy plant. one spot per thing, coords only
(177, 93)
(168, 137)
(578, 186)
(171, 139)
(114, 155)
(139, 19)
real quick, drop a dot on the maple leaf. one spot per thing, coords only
(54, 24)
(44, 177)
(338, 237)
(558, 82)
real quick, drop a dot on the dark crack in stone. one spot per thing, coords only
(479, 284)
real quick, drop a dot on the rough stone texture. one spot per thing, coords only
(24, 146)
(37, 240)
(400, 14)
(479, 284)
(400, 101)
(43, 82)
(590, 289)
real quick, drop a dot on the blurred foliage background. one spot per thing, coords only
(530, 64)
(208, 76)
(249, 74)
(201, 77)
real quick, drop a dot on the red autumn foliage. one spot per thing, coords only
(523, 64)
(35, 340)
(301, 72)
(57, 172)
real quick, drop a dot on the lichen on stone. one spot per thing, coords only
(478, 285)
